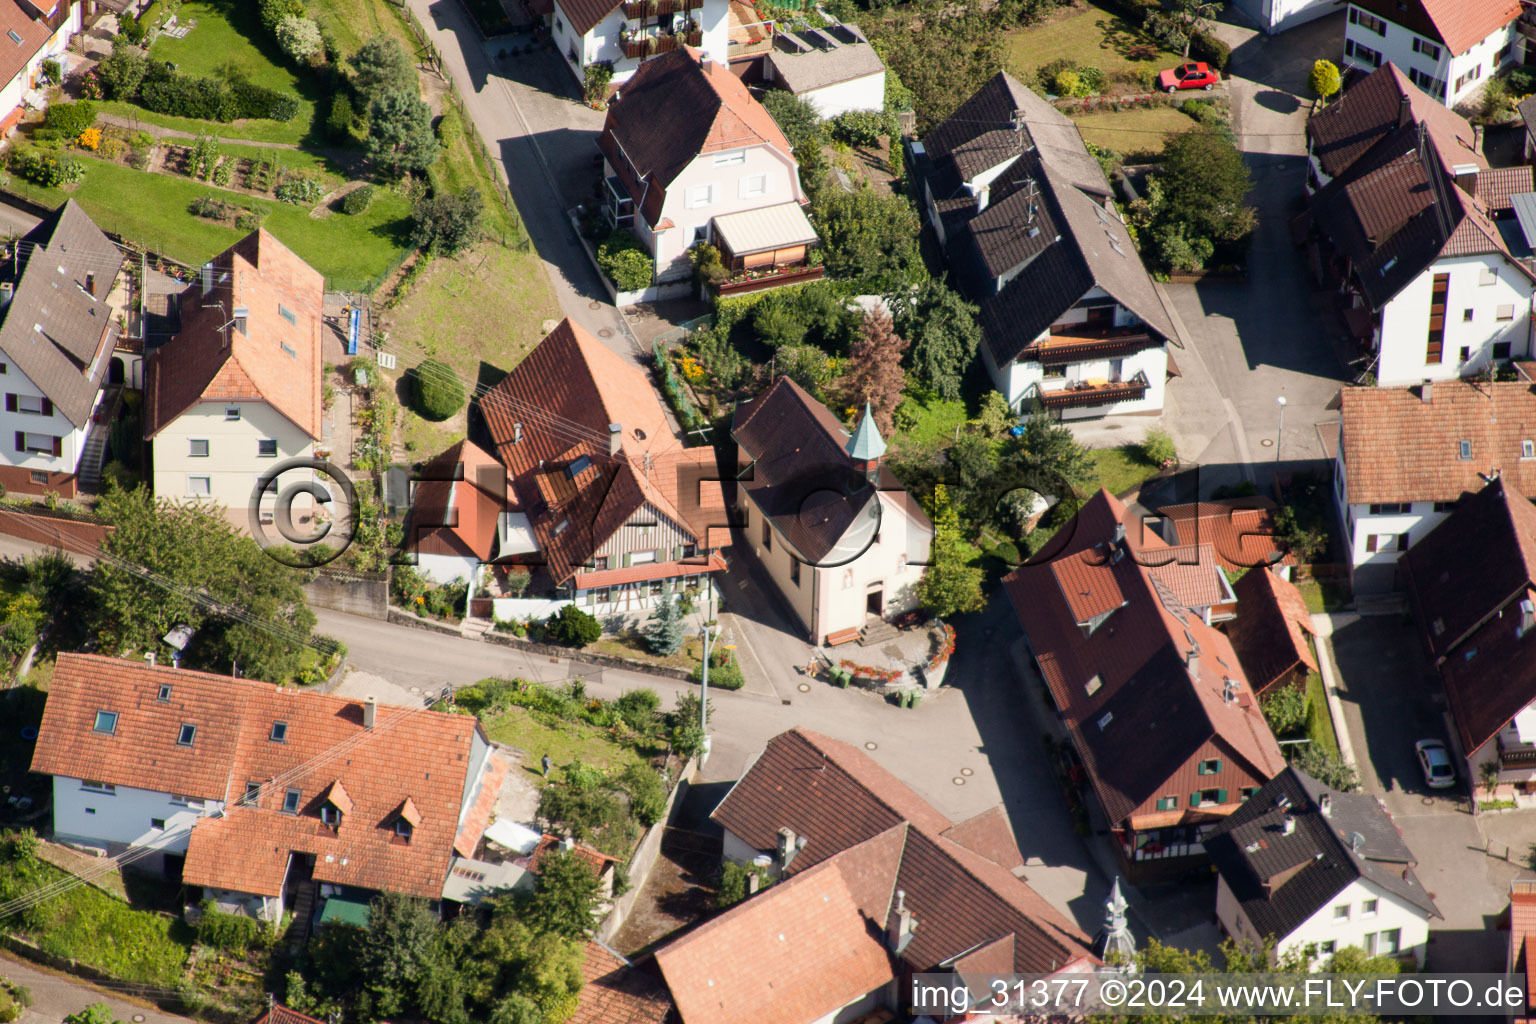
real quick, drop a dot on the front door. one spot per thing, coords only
(874, 603)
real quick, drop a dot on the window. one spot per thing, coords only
(1369, 907)
(1435, 344)
(330, 815)
(1341, 912)
(1208, 798)
(1470, 76)
(1363, 54)
(1504, 311)
(39, 476)
(279, 733)
(291, 801)
(1093, 685)
(700, 195)
(1329, 948)
(754, 185)
(1528, 449)
(604, 595)
(106, 721)
(1390, 942)
(1429, 83)
(1370, 944)
(266, 448)
(642, 557)
(186, 801)
(232, 412)
(252, 793)
(1464, 450)
(97, 787)
(28, 403)
(1391, 508)
(288, 350)
(1167, 803)
(1427, 48)
(1505, 52)
(767, 535)
(731, 159)
(794, 571)
(199, 486)
(187, 734)
(1105, 719)
(402, 828)
(38, 444)
(287, 314)
(199, 448)
(1487, 276)
(1247, 792)
(561, 526)
(1445, 506)
(1366, 21)
(164, 694)
(1210, 767)
(1466, 316)
(157, 824)
(1501, 350)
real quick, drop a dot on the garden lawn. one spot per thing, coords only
(229, 35)
(1319, 721)
(1120, 469)
(460, 166)
(936, 420)
(353, 22)
(1134, 134)
(1089, 35)
(87, 925)
(633, 645)
(151, 210)
(564, 741)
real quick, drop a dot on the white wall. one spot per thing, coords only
(447, 568)
(867, 93)
(16, 88)
(1278, 15)
(783, 186)
(602, 42)
(1323, 927)
(14, 382)
(232, 463)
(1405, 321)
(1397, 46)
(94, 818)
(1417, 523)
(738, 850)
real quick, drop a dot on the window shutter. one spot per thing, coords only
(1194, 799)
(626, 559)
(1370, 543)
(47, 407)
(1221, 796)
(1216, 766)
(21, 439)
(58, 447)
(10, 403)
(677, 553)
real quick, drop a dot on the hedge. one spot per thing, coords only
(626, 262)
(209, 99)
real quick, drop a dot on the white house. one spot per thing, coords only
(57, 333)
(1407, 455)
(1318, 871)
(689, 156)
(236, 392)
(183, 763)
(839, 535)
(1426, 244)
(588, 32)
(834, 69)
(1272, 16)
(40, 30)
(1070, 321)
(1448, 49)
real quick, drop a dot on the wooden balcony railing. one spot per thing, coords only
(1080, 395)
(640, 47)
(640, 10)
(1517, 758)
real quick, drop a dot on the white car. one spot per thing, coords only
(1435, 762)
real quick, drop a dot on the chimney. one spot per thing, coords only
(1229, 690)
(240, 315)
(615, 438)
(899, 926)
(150, 657)
(370, 711)
(787, 848)
(1426, 391)
(1325, 804)
(517, 433)
(1289, 826)
(207, 278)
(1477, 138)
(1192, 662)
(1527, 616)
(7, 290)
(568, 844)
(1119, 532)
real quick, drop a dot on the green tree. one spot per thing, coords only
(194, 545)
(1285, 710)
(1306, 540)
(1324, 81)
(686, 736)
(1184, 19)
(518, 975)
(874, 370)
(122, 72)
(381, 66)
(796, 118)
(1204, 184)
(949, 585)
(1158, 447)
(274, 11)
(401, 943)
(664, 634)
(996, 416)
(436, 389)
(342, 117)
(647, 793)
(870, 237)
(573, 627)
(299, 37)
(70, 119)
(942, 52)
(400, 137)
(1326, 768)
(565, 896)
(1045, 457)
(447, 223)
(944, 336)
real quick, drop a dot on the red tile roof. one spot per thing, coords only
(1131, 674)
(208, 361)
(459, 502)
(675, 108)
(990, 835)
(1459, 24)
(280, 1014)
(615, 991)
(550, 417)
(1522, 932)
(1398, 447)
(1271, 628)
(597, 860)
(650, 571)
(34, 33)
(1240, 530)
(423, 756)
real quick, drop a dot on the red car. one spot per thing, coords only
(1194, 75)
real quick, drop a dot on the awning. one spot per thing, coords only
(339, 910)
(764, 229)
(512, 836)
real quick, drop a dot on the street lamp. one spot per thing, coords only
(1280, 431)
(708, 635)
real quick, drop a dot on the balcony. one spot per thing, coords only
(638, 46)
(641, 10)
(1526, 24)
(1075, 343)
(1081, 394)
(1518, 758)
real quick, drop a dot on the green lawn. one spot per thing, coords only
(936, 420)
(564, 742)
(1319, 721)
(151, 209)
(632, 645)
(1324, 595)
(1090, 35)
(1120, 469)
(1134, 134)
(353, 22)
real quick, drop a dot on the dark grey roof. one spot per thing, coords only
(53, 331)
(816, 58)
(1527, 110)
(1317, 860)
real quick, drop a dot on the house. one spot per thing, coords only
(1271, 631)
(835, 529)
(1070, 320)
(236, 392)
(1472, 584)
(605, 502)
(1154, 699)
(1407, 455)
(616, 991)
(1422, 241)
(260, 794)
(624, 34)
(1239, 530)
(689, 156)
(834, 69)
(1274, 16)
(872, 880)
(1318, 871)
(1450, 47)
(1521, 960)
(459, 513)
(57, 334)
(40, 31)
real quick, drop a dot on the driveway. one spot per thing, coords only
(1391, 698)
(1260, 340)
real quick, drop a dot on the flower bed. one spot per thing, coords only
(946, 648)
(879, 675)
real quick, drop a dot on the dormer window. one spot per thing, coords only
(187, 734)
(106, 721)
(165, 693)
(407, 819)
(403, 829)
(330, 815)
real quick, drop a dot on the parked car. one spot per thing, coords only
(1197, 74)
(1435, 762)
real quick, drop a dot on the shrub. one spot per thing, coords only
(647, 793)
(1069, 83)
(132, 29)
(724, 671)
(638, 708)
(299, 190)
(358, 200)
(341, 118)
(259, 101)
(626, 262)
(39, 168)
(211, 207)
(863, 127)
(572, 627)
(1158, 447)
(449, 222)
(205, 99)
(735, 883)
(71, 119)
(1285, 710)
(9, 1011)
(436, 389)
(594, 87)
(298, 36)
(274, 11)
(707, 264)
(228, 933)
(121, 72)
(1324, 80)
(50, 70)
(1207, 46)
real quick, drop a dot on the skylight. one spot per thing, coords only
(279, 732)
(106, 721)
(187, 734)
(14, 37)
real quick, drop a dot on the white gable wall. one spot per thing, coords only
(867, 93)
(1358, 929)
(94, 818)
(1396, 45)
(72, 438)
(1404, 328)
